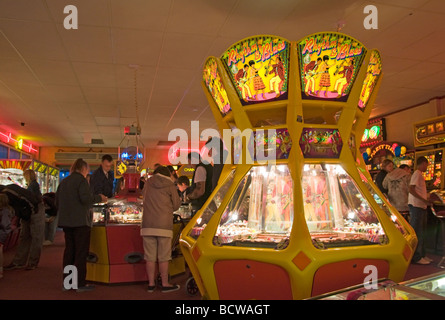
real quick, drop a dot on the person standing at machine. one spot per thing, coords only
(219, 155)
(387, 166)
(73, 201)
(6, 214)
(201, 187)
(32, 231)
(161, 199)
(418, 202)
(102, 178)
(397, 184)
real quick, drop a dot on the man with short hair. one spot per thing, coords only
(102, 178)
(201, 182)
(418, 203)
(216, 150)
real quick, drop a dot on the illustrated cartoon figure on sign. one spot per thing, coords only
(241, 77)
(278, 79)
(325, 78)
(258, 83)
(344, 81)
(310, 74)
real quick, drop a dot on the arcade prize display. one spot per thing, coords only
(296, 214)
(116, 252)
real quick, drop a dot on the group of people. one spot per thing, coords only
(26, 204)
(408, 194)
(70, 209)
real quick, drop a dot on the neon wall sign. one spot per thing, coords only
(375, 132)
(17, 143)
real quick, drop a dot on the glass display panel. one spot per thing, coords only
(434, 285)
(99, 214)
(260, 213)
(336, 212)
(3, 152)
(123, 211)
(13, 154)
(214, 204)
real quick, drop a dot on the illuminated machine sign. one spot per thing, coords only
(321, 143)
(17, 143)
(386, 150)
(429, 132)
(375, 132)
(279, 143)
(372, 75)
(379, 148)
(329, 63)
(212, 80)
(258, 68)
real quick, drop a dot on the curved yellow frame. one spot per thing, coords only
(300, 260)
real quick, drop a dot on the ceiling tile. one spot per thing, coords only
(141, 14)
(107, 121)
(70, 94)
(95, 74)
(100, 95)
(53, 72)
(34, 39)
(24, 10)
(90, 13)
(87, 44)
(131, 46)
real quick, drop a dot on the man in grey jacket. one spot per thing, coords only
(74, 200)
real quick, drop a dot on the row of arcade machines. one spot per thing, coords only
(11, 171)
(116, 246)
(429, 137)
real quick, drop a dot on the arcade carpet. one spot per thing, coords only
(44, 283)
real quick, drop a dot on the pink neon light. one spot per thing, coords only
(9, 138)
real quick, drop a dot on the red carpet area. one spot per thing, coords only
(44, 283)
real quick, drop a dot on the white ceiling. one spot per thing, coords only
(66, 85)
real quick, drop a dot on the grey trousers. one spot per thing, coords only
(31, 239)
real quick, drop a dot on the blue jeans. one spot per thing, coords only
(418, 222)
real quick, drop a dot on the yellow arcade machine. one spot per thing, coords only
(308, 220)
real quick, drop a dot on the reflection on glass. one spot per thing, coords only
(118, 212)
(260, 213)
(382, 204)
(435, 285)
(125, 212)
(12, 176)
(214, 204)
(336, 212)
